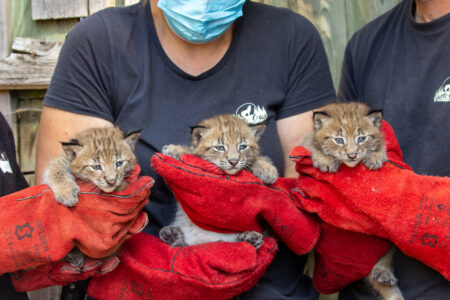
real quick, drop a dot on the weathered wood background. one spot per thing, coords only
(26, 66)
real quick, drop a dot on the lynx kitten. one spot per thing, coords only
(102, 156)
(232, 145)
(349, 133)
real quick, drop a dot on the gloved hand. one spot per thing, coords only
(342, 257)
(219, 202)
(150, 269)
(37, 230)
(61, 273)
(393, 203)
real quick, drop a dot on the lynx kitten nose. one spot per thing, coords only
(351, 155)
(233, 162)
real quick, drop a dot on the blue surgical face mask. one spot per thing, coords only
(200, 21)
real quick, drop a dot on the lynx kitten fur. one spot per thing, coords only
(232, 145)
(102, 156)
(349, 133)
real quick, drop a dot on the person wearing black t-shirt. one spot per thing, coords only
(400, 63)
(11, 180)
(148, 66)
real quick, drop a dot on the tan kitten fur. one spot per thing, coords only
(102, 156)
(349, 133)
(232, 145)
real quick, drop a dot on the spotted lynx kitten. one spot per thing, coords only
(232, 145)
(349, 133)
(102, 156)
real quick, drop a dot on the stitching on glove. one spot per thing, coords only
(112, 267)
(36, 196)
(394, 164)
(120, 196)
(221, 178)
(303, 194)
(125, 252)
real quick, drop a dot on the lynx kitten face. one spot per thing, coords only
(103, 156)
(227, 141)
(347, 133)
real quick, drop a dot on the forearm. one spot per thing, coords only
(55, 127)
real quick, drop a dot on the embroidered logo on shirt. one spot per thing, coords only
(251, 113)
(5, 166)
(443, 93)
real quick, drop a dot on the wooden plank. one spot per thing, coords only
(58, 9)
(5, 97)
(23, 25)
(30, 69)
(96, 5)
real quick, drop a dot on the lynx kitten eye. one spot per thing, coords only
(119, 163)
(361, 139)
(339, 141)
(242, 147)
(219, 148)
(96, 167)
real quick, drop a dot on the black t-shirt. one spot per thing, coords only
(11, 180)
(113, 66)
(403, 68)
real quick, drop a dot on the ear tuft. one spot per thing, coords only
(320, 118)
(132, 137)
(257, 130)
(71, 148)
(197, 132)
(375, 116)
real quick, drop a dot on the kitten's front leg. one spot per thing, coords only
(252, 237)
(172, 236)
(264, 170)
(175, 151)
(325, 163)
(375, 160)
(75, 257)
(61, 181)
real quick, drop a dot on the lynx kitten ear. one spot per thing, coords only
(197, 132)
(320, 118)
(257, 130)
(71, 148)
(132, 137)
(375, 116)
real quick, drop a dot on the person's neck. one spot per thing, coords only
(193, 59)
(430, 10)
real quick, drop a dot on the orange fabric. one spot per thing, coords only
(393, 203)
(219, 202)
(37, 230)
(150, 269)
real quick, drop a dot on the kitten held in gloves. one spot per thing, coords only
(349, 133)
(231, 144)
(101, 156)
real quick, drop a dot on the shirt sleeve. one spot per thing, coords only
(309, 83)
(348, 90)
(82, 81)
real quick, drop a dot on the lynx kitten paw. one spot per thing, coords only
(172, 236)
(175, 151)
(75, 258)
(252, 237)
(384, 276)
(66, 194)
(374, 163)
(266, 172)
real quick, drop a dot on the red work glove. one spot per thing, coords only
(37, 230)
(219, 202)
(342, 257)
(61, 273)
(393, 203)
(150, 269)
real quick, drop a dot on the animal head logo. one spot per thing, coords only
(443, 93)
(251, 113)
